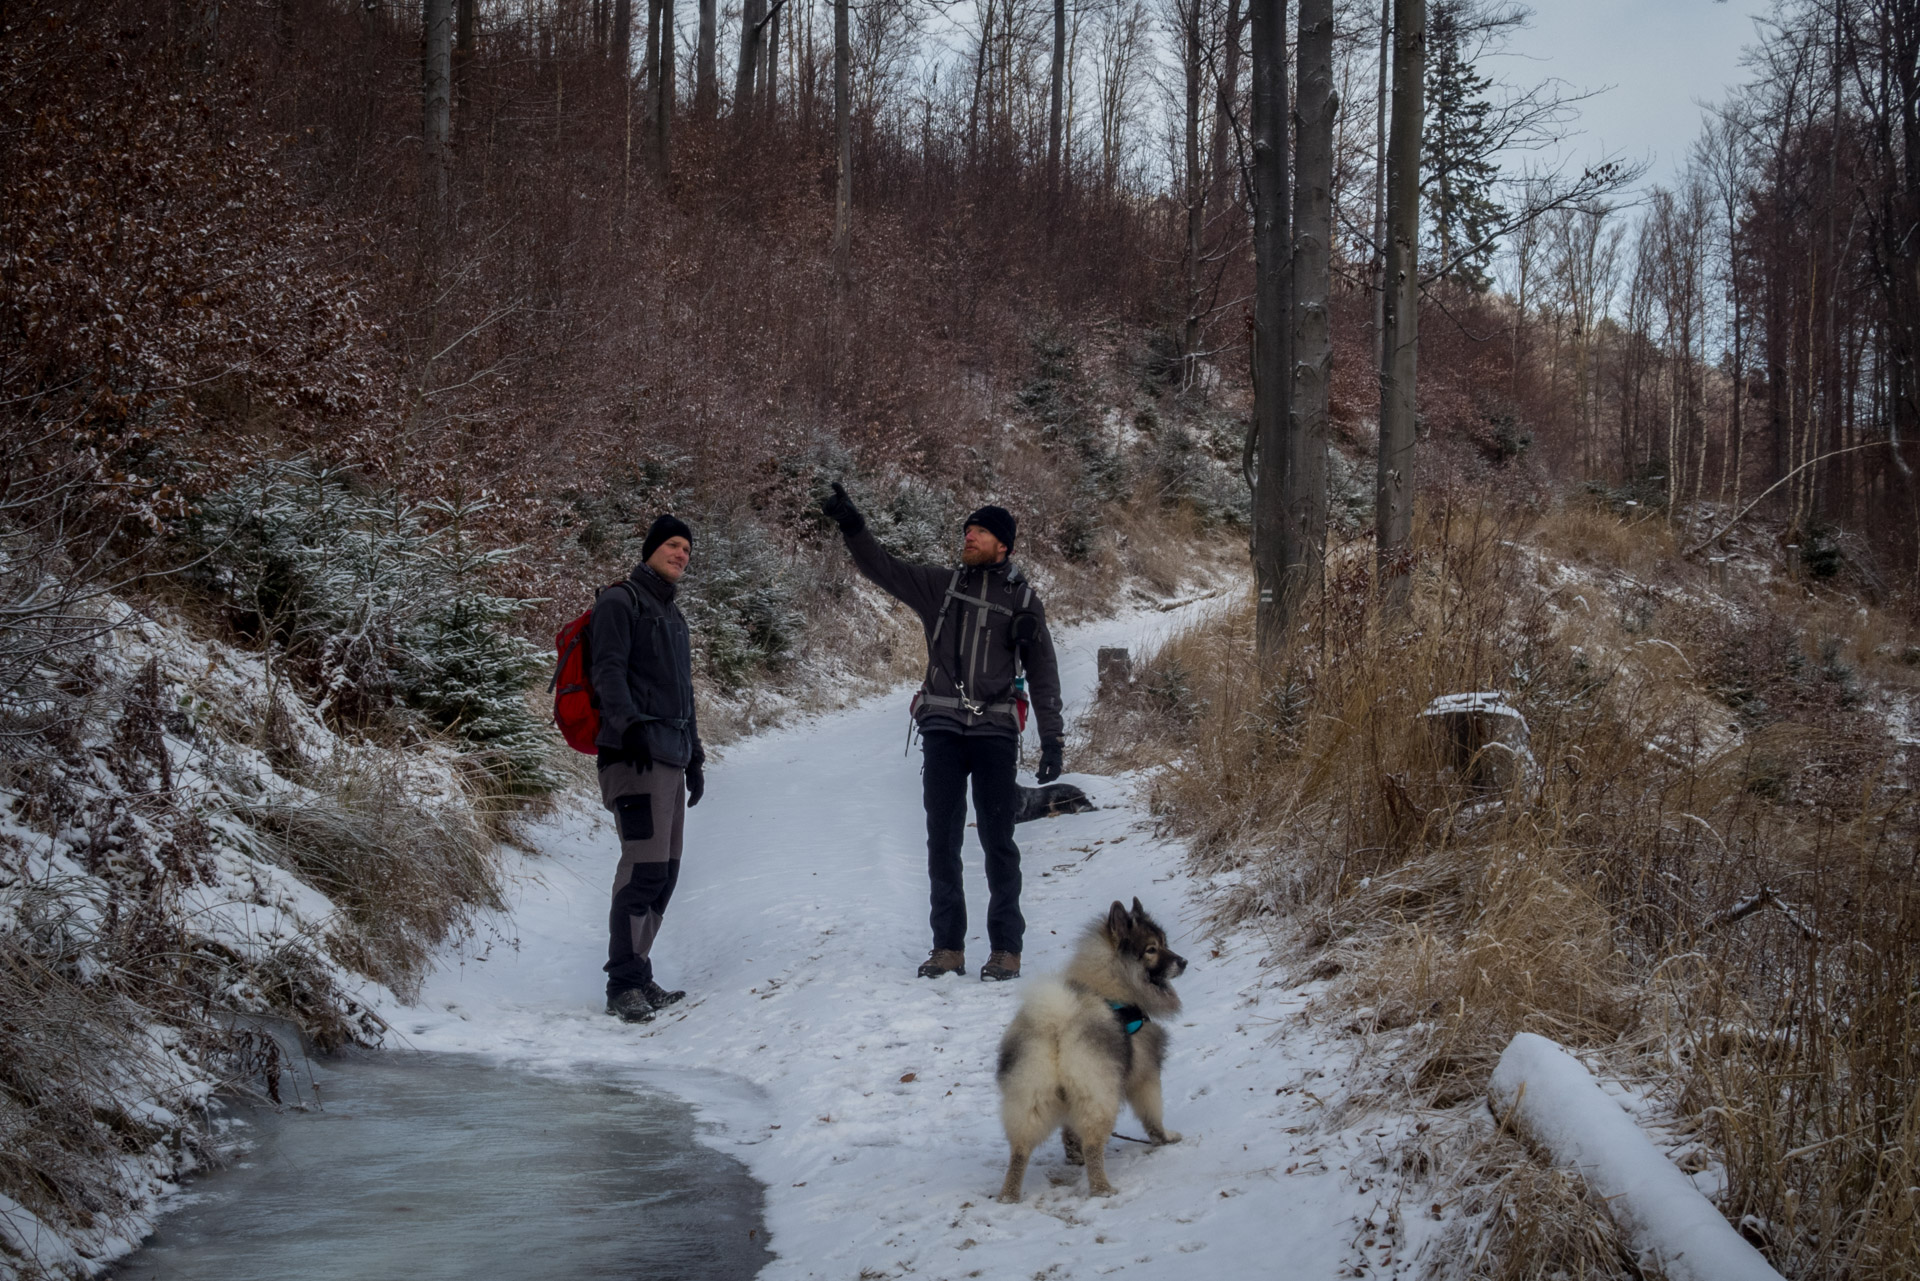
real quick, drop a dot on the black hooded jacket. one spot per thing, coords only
(972, 655)
(643, 668)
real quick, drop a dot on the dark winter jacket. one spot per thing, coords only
(643, 668)
(969, 657)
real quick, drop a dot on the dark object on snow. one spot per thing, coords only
(630, 1006)
(1000, 967)
(943, 960)
(658, 997)
(1054, 798)
(1116, 670)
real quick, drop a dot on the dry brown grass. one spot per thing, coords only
(1690, 750)
(404, 874)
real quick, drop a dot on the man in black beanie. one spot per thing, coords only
(986, 629)
(651, 761)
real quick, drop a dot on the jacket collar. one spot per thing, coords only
(644, 577)
(1005, 569)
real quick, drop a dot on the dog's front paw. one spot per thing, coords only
(1005, 1199)
(1100, 1188)
(1166, 1136)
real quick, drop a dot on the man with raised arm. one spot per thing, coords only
(986, 630)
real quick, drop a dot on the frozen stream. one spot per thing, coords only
(432, 1166)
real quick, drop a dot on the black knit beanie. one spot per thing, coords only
(663, 528)
(997, 521)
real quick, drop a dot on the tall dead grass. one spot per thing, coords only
(404, 874)
(1707, 873)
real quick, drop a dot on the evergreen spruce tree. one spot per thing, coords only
(1456, 170)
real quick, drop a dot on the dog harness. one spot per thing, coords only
(1131, 1017)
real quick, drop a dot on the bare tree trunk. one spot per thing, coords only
(436, 98)
(622, 51)
(653, 58)
(1195, 194)
(1272, 266)
(1378, 265)
(1053, 109)
(663, 102)
(1304, 487)
(466, 34)
(770, 73)
(745, 76)
(1400, 330)
(706, 89)
(843, 147)
(1225, 99)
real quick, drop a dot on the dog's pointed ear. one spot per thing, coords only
(1139, 913)
(1118, 922)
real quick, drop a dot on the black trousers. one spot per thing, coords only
(989, 760)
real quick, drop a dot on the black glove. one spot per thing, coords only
(1049, 761)
(840, 509)
(633, 745)
(696, 779)
(1022, 630)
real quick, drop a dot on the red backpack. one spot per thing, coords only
(576, 708)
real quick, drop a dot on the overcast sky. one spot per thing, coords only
(1661, 57)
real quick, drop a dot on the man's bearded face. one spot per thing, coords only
(981, 548)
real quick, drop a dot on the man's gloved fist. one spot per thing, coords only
(696, 780)
(1049, 761)
(840, 509)
(633, 744)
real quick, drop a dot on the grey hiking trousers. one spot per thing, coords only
(649, 809)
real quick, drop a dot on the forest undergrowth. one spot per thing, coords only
(1698, 870)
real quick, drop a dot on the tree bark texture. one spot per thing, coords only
(1400, 328)
(663, 99)
(1195, 194)
(622, 51)
(1226, 99)
(1272, 266)
(1059, 76)
(436, 97)
(1304, 485)
(843, 146)
(706, 89)
(466, 32)
(752, 24)
(653, 58)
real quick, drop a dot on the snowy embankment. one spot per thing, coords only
(1548, 1096)
(864, 1097)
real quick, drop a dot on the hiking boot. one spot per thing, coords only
(1000, 967)
(630, 1006)
(659, 997)
(944, 960)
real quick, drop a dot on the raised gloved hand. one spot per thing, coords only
(696, 779)
(1050, 753)
(633, 745)
(840, 509)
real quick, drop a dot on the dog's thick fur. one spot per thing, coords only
(1068, 1062)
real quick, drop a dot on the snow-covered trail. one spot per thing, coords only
(863, 1096)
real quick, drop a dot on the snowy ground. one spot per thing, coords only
(864, 1097)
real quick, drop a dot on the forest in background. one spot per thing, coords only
(369, 336)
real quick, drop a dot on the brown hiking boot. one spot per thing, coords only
(945, 960)
(1000, 967)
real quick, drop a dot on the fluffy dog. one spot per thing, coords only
(1087, 1040)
